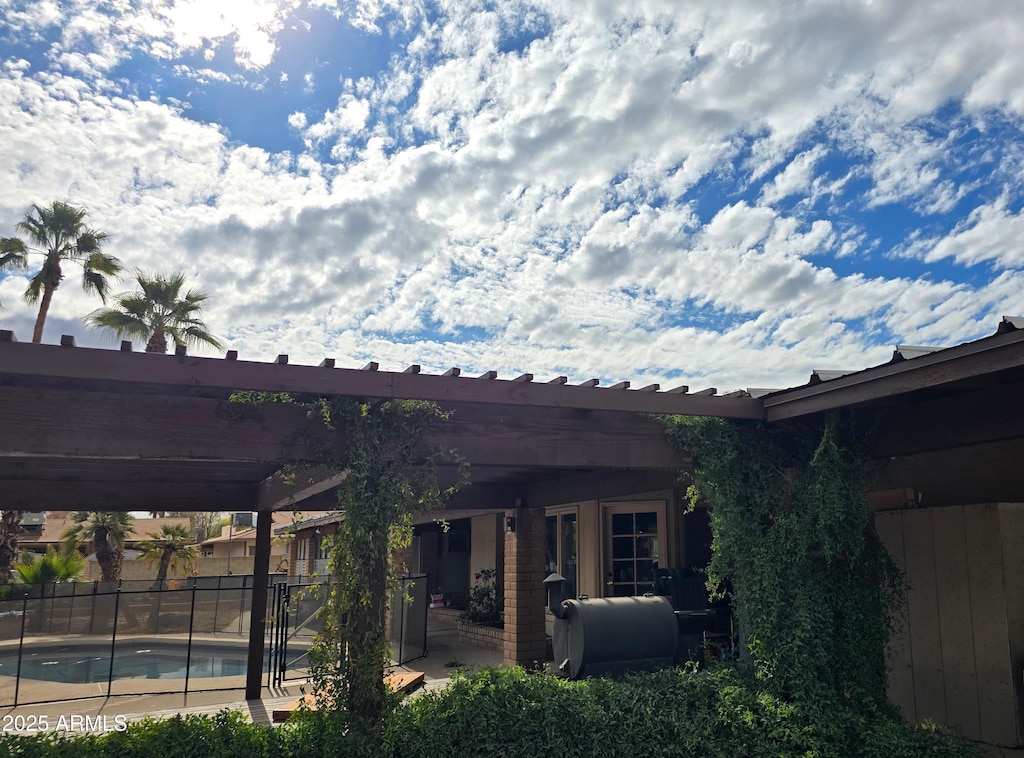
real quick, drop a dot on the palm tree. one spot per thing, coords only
(173, 547)
(105, 531)
(156, 310)
(12, 253)
(65, 566)
(10, 528)
(59, 233)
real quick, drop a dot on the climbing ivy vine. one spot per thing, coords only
(389, 473)
(389, 476)
(794, 547)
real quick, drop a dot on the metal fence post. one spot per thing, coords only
(113, 637)
(191, 623)
(216, 609)
(21, 644)
(241, 605)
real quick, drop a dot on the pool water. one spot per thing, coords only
(85, 665)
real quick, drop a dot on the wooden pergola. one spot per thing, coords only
(121, 431)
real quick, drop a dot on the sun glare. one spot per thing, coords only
(254, 25)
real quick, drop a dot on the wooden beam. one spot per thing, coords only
(126, 494)
(984, 473)
(297, 488)
(544, 438)
(488, 375)
(988, 415)
(34, 362)
(597, 485)
(943, 367)
(101, 424)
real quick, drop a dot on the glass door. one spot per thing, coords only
(560, 543)
(635, 533)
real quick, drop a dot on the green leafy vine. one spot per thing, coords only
(795, 549)
(390, 473)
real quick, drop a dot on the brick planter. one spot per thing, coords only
(487, 637)
(446, 616)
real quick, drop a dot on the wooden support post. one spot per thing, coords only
(258, 612)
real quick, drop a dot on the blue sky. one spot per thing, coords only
(650, 190)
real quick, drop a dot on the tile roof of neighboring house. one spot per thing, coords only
(58, 522)
(308, 522)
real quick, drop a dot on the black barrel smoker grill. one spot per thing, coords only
(610, 636)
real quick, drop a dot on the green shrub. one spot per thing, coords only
(719, 712)
(722, 712)
(226, 735)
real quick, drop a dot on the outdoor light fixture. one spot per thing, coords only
(510, 523)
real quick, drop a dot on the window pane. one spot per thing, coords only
(647, 547)
(623, 571)
(622, 523)
(622, 547)
(647, 523)
(551, 543)
(645, 571)
(569, 553)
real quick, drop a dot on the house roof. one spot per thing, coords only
(59, 522)
(910, 371)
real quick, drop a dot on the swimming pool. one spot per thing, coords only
(86, 664)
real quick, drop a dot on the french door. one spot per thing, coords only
(634, 545)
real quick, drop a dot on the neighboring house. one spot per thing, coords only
(237, 540)
(46, 529)
(308, 541)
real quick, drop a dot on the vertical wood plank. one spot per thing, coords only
(1011, 530)
(900, 684)
(991, 637)
(923, 610)
(955, 625)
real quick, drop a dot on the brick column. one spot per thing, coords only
(524, 638)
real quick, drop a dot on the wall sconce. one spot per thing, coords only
(510, 523)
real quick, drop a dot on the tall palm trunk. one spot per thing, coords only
(10, 528)
(44, 308)
(158, 342)
(107, 555)
(165, 563)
